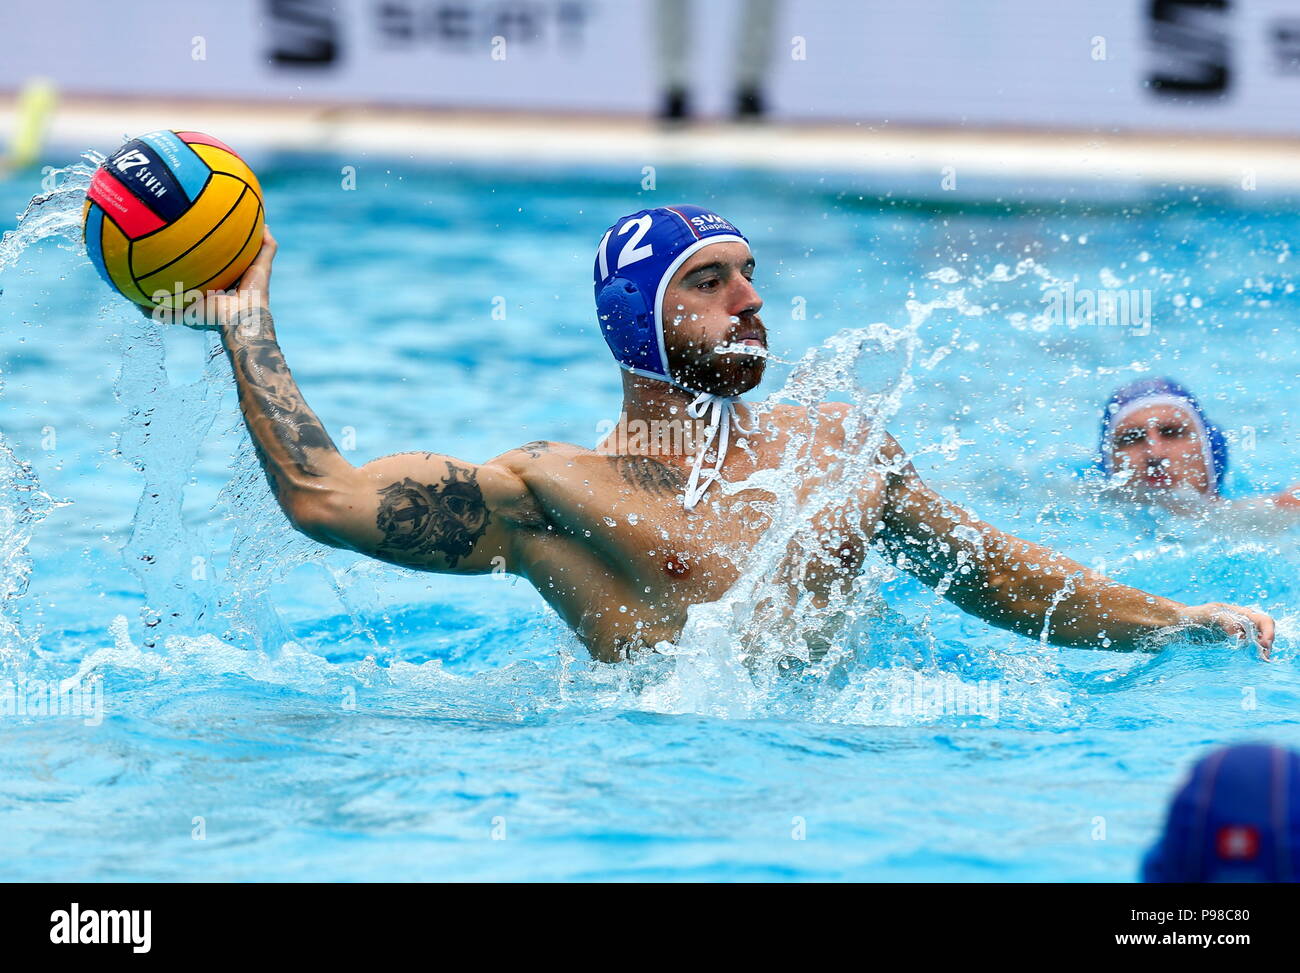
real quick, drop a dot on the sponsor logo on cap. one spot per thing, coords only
(1237, 842)
(708, 222)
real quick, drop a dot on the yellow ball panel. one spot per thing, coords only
(117, 260)
(219, 160)
(163, 247)
(240, 264)
(217, 257)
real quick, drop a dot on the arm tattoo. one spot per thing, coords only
(258, 360)
(650, 475)
(421, 520)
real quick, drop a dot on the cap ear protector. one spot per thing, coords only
(628, 324)
(1219, 452)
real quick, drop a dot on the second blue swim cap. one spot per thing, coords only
(635, 261)
(1236, 819)
(1150, 391)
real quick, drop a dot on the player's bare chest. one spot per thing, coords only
(644, 527)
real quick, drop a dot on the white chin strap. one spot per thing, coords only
(722, 414)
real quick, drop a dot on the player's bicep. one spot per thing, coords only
(433, 512)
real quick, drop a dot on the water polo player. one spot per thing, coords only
(1158, 446)
(1235, 819)
(622, 539)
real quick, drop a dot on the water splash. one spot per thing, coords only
(54, 214)
(23, 505)
(754, 351)
(164, 427)
(263, 550)
(734, 652)
(770, 646)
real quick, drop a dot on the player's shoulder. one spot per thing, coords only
(832, 411)
(840, 424)
(539, 451)
(828, 415)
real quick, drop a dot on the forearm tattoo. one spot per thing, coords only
(421, 520)
(272, 393)
(650, 475)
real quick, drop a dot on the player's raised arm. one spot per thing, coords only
(420, 510)
(1016, 584)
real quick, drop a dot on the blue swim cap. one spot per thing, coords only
(1237, 819)
(636, 259)
(1152, 391)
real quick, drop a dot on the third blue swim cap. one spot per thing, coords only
(1154, 391)
(1236, 819)
(635, 261)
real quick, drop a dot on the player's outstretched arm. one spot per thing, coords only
(1016, 584)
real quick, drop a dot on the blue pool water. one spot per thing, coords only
(271, 710)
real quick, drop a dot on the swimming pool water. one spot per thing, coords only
(272, 710)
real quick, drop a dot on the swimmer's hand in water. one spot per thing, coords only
(1233, 621)
(220, 309)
